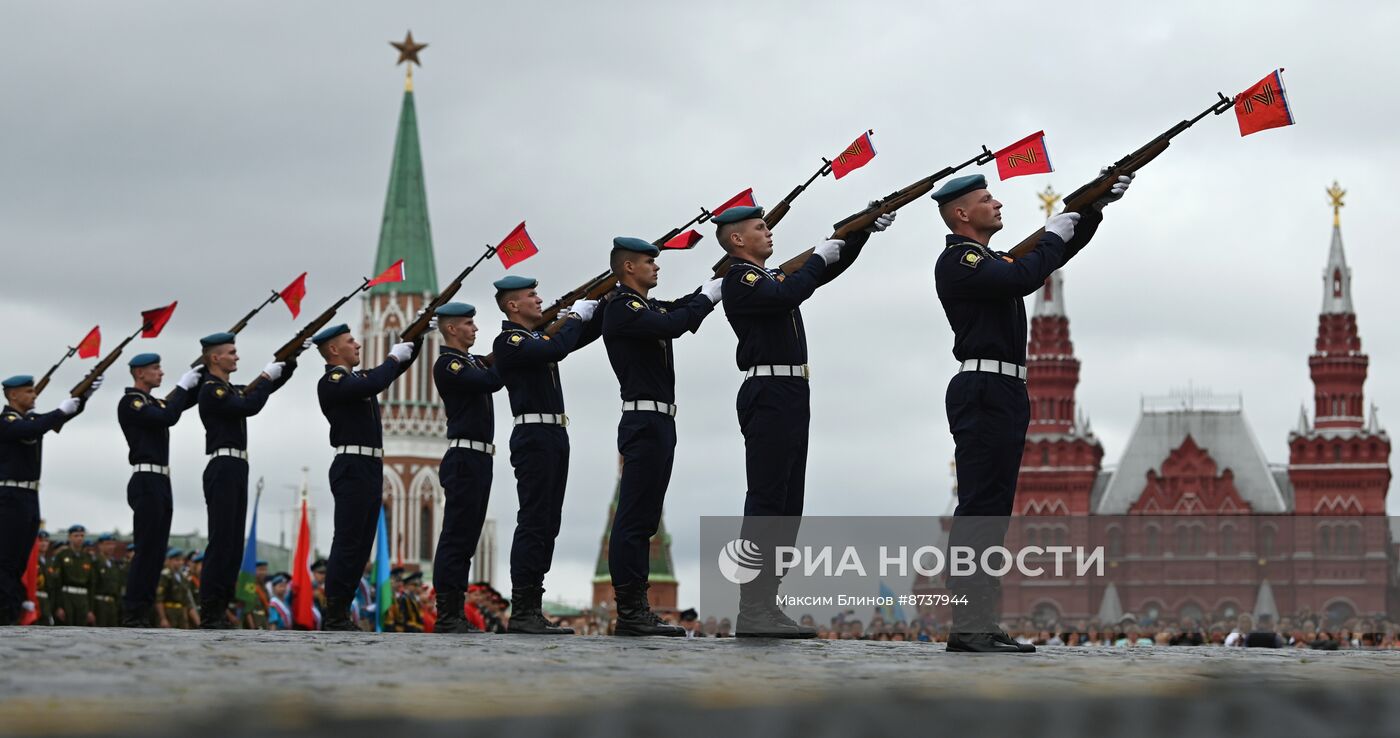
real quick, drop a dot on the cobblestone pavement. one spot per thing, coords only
(133, 682)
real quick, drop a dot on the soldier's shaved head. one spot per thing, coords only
(976, 215)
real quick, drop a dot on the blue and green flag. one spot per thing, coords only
(383, 593)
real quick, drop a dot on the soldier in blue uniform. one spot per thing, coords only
(146, 421)
(988, 410)
(21, 454)
(225, 408)
(465, 383)
(762, 306)
(349, 400)
(638, 331)
(528, 362)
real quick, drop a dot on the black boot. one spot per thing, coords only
(450, 617)
(527, 616)
(213, 615)
(635, 616)
(337, 615)
(136, 617)
(760, 616)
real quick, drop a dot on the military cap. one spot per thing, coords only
(959, 186)
(105, 537)
(131, 547)
(260, 562)
(456, 310)
(43, 534)
(318, 565)
(279, 578)
(506, 284)
(737, 214)
(76, 529)
(173, 553)
(141, 360)
(416, 576)
(329, 333)
(396, 572)
(60, 543)
(196, 556)
(217, 339)
(689, 614)
(627, 243)
(17, 381)
(89, 543)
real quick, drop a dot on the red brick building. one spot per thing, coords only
(1195, 520)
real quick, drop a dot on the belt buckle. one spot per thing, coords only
(563, 420)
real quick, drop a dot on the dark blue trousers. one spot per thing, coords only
(19, 524)
(774, 415)
(466, 486)
(148, 495)
(647, 442)
(988, 415)
(357, 484)
(226, 499)
(540, 455)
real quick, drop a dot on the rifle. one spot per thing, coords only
(863, 219)
(44, 380)
(772, 217)
(243, 322)
(293, 348)
(1098, 188)
(85, 386)
(420, 325)
(602, 284)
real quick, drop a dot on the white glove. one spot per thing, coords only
(401, 352)
(584, 309)
(1062, 225)
(274, 370)
(881, 223)
(308, 343)
(432, 323)
(69, 406)
(189, 379)
(1115, 193)
(97, 383)
(830, 251)
(711, 290)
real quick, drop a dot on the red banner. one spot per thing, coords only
(683, 241)
(393, 274)
(517, 247)
(1264, 106)
(1027, 156)
(91, 345)
(292, 294)
(304, 592)
(743, 199)
(857, 155)
(154, 320)
(31, 585)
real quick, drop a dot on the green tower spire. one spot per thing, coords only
(662, 567)
(405, 233)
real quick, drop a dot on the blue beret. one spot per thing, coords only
(173, 553)
(76, 529)
(736, 214)
(279, 578)
(131, 547)
(18, 380)
(105, 537)
(89, 543)
(506, 284)
(456, 310)
(627, 243)
(141, 360)
(261, 563)
(217, 339)
(43, 534)
(197, 557)
(959, 186)
(329, 333)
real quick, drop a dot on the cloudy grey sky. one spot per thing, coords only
(207, 153)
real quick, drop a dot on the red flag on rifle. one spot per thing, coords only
(1027, 156)
(683, 240)
(91, 345)
(154, 320)
(517, 247)
(292, 294)
(393, 274)
(743, 199)
(857, 155)
(1264, 106)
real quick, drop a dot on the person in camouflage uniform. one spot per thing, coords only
(256, 617)
(74, 581)
(41, 588)
(110, 577)
(174, 601)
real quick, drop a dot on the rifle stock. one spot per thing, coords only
(865, 218)
(419, 326)
(293, 348)
(1084, 198)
